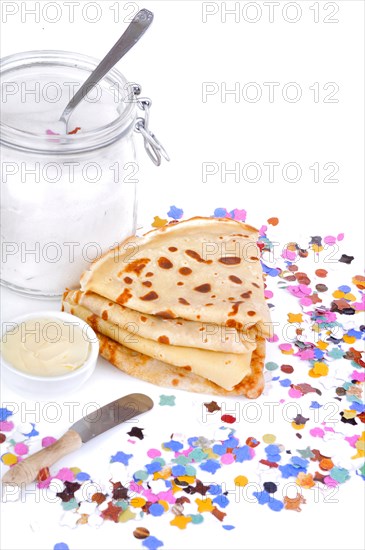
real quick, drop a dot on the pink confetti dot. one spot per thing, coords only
(305, 289)
(227, 458)
(295, 393)
(274, 338)
(47, 441)
(317, 432)
(330, 482)
(6, 426)
(340, 236)
(285, 347)
(168, 496)
(305, 302)
(65, 474)
(153, 453)
(21, 449)
(263, 230)
(359, 376)
(329, 239)
(239, 215)
(151, 497)
(268, 294)
(352, 440)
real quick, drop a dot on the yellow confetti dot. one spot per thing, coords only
(269, 438)
(204, 505)
(126, 516)
(322, 345)
(297, 426)
(295, 318)
(287, 351)
(349, 414)
(240, 481)
(305, 480)
(158, 222)
(188, 479)
(163, 474)
(315, 327)
(180, 521)
(75, 470)
(164, 504)
(317, 248)
(359, 281)
(320, 369)
(137, 502)
(360, 446)
(338, 294)
(210, 453)
(349, 339)
(9, 459)
(350, 297)
(175, 488)
(313, 374)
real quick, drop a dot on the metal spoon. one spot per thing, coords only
(138, 26)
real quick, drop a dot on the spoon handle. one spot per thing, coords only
(138, 26)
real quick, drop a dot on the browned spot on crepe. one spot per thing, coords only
(104, 315)
(235, 307)
(172, 248)
(193, 254)
(164, 263)
(246, 294)
(136, 266)
(184, 302)
(251, 313)
(167, 314)
(163, 340)
(149, 274)
(149, 296)
(148, 284)
(185, 270)
(143, 318)
(256, 285)
(124, 297)
(203, 288)
(230, 260)
(128, 280)
(235, 279)
(232, 323)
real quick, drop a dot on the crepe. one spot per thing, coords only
(164, 375)
(175, 332)
(225, 369)
(203, 269)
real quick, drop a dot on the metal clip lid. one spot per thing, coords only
(152, 145)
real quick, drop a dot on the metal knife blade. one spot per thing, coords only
(111, 415)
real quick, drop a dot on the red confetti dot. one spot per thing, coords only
(321, 273)
(228, 418)
(273, 221)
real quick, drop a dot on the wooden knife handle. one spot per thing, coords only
(27, 471)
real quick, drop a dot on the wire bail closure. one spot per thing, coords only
(152, 145)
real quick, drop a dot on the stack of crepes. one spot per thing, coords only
(183, 306)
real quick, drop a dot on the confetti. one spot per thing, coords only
(167, 400)
(136, 432)
(212, 406)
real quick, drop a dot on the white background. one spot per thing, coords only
(178, 54)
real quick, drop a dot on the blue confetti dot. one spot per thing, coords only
(318, 353)
(220, 213)
(191, 441)
(275, 505)
(272, 450)
(4, 414)
(219, 449)
(344, 288)
(178, 470)
(242, 453)
(262, 497)
(274, 458)
(214, 489)
(288, 470)
(32, 433)
(275, 378)
(152, 543)
(315, 405)
(285, 383)
(358, 407)
(60, 546)
(298, 461)
(356, 333)
(156, 509)
(153, 467)
(221, 500)
(173, 445)
(228, 527)
(175, 213)
(210, 466)
(121, 457)
(82, 476)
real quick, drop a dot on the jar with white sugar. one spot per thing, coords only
(65, 197)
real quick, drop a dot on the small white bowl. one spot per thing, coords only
(48, 386)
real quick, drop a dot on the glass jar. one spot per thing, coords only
(65, 197)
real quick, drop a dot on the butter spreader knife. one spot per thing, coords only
(82, 431)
